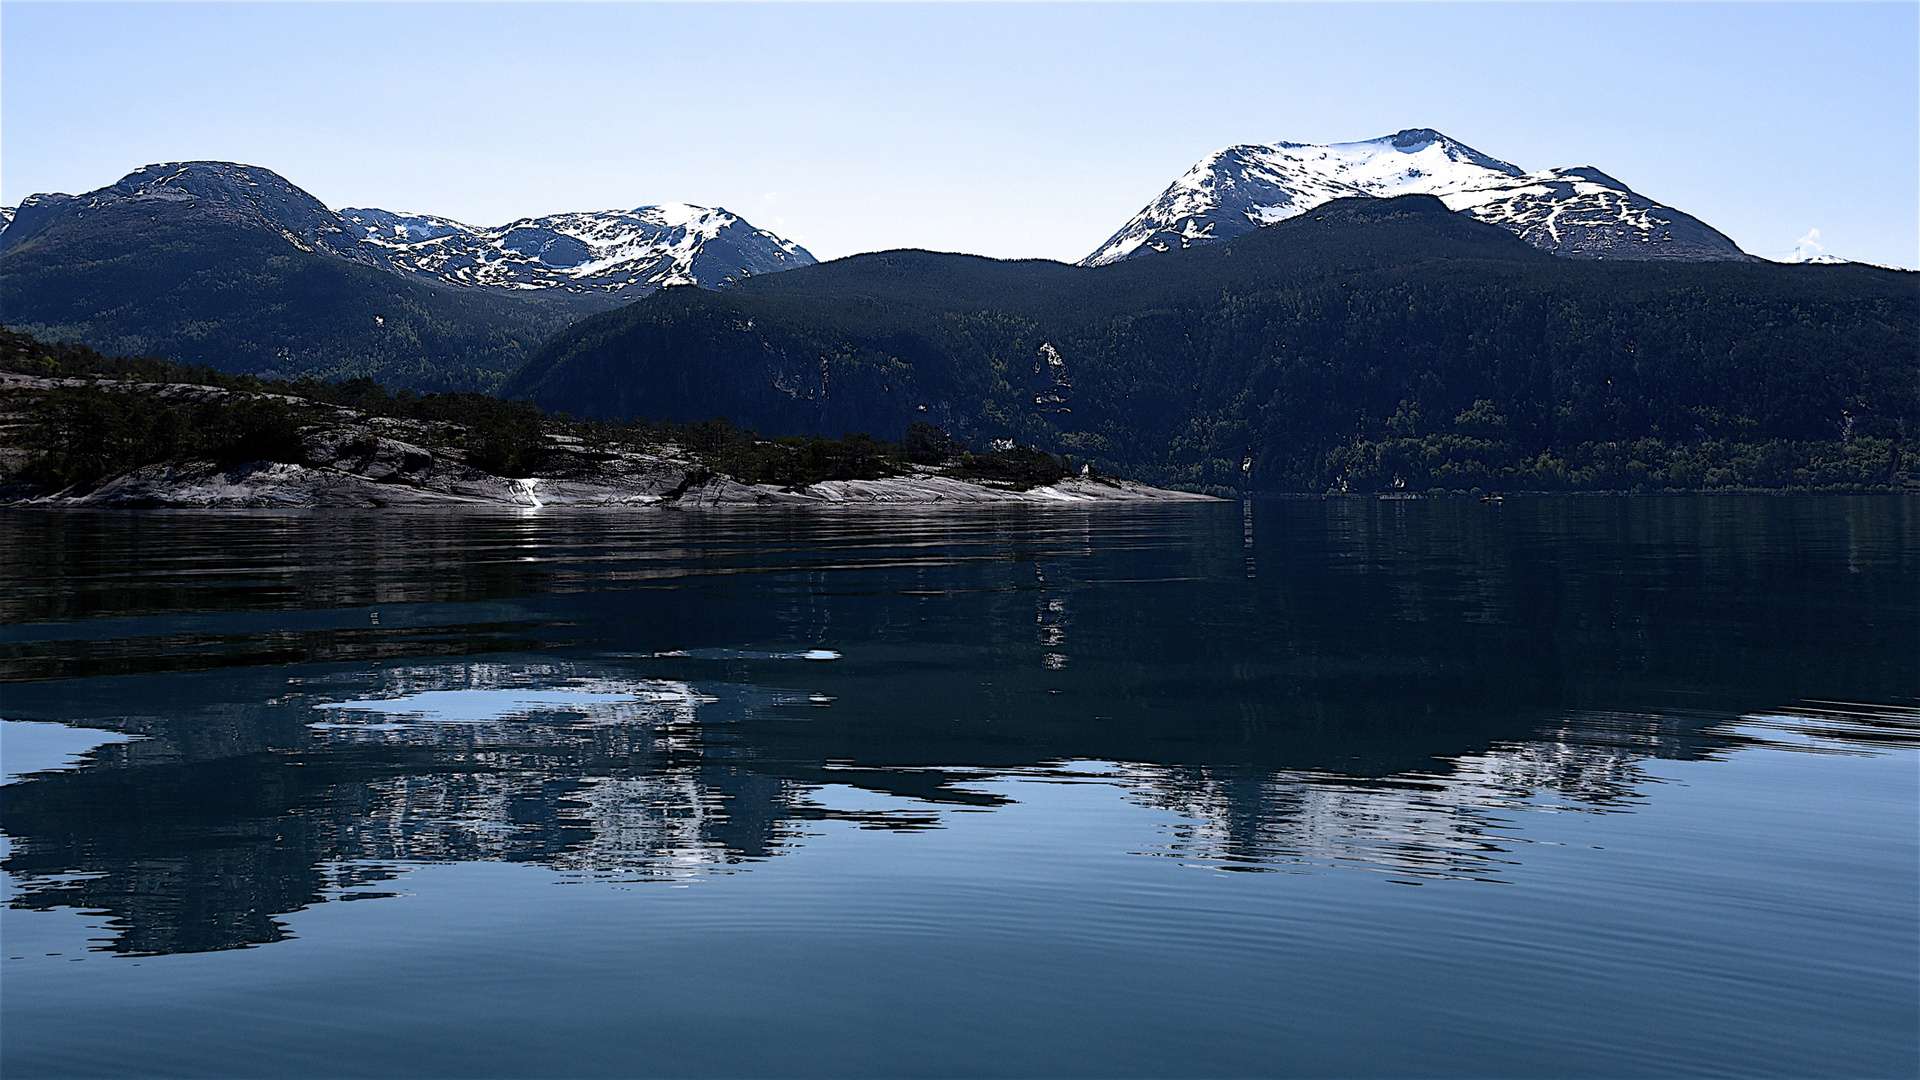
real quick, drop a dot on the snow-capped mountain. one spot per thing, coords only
(623, 253)
(1580, 213)
(615, 254)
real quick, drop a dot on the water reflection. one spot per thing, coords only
(592, 770)
(308, 704)
(1468, 821)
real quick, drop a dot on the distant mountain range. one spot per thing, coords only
(1579, 213)
(234, 266)
(1146, 356)
(1372, 339)
(619, 254)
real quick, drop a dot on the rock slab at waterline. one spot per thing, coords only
(661, 482)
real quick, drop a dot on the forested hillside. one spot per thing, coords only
(1371, 344)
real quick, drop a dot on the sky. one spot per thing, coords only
(1002, 129)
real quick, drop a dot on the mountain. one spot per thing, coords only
(1578, 213)
(619, 254)
(240, 195)
(1374, 338)
(236, 267)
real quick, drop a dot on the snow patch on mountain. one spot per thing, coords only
(1581, 213)
(1584, 213)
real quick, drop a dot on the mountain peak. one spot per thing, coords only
(200, 177)
(1417, 140)
(245, 195)
(1249, 185)
(247, 189)
(1579, 213)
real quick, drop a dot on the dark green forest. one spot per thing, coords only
(1373, 344)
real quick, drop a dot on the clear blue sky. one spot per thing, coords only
(1000, 129)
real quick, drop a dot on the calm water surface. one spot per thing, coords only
(1577, 787)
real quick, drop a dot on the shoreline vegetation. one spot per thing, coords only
(81, 428)
(1463, 465)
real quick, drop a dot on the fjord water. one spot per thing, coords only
(1576, 787)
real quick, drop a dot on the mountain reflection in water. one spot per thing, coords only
(323, 701)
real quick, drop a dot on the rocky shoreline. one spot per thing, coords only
(281, 485)
(351, 459)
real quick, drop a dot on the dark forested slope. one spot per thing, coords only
(202, 281)
(1368, 343)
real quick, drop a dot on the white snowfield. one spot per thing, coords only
(1580, 212)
